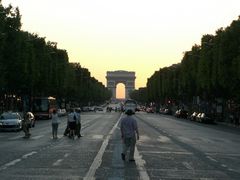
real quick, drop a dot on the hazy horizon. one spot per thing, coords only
(140, 36)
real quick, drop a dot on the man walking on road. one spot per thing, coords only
(129, 130)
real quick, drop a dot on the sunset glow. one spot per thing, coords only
(131, 35)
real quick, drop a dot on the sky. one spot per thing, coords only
(131, 35)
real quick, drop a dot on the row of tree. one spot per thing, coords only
(30, 66)
(208, 71)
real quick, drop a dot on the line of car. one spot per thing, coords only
(184, 114)
(194, 116)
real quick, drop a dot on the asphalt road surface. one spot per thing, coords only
(168, 148)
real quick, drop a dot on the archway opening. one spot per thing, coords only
(120, 91)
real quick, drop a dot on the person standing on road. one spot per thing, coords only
(72, 118)
(129, 131)
(78, 123)
(27, 124)
(55, 122)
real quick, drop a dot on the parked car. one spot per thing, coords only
(181, 113)
(150, 110)
(193, 116)
(161, 110)
(85, 109)
(198, 117)
(92, 108)
(203, 118)
(11, 121)
(98, 108)
(167, 111)
(77, 109)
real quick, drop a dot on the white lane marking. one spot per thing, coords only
(212, 159)
(188, 166)
(97, 136)
(221, 154)
(144, 138)
(66, 155)
(140, 166)
(163, 139)
(223, 165)
(58, 162)
(29, 154)
(16, 137)
(5, 166)
(20, 136)
(37, 137)
(12, 163)
(60, 136)
(167, 152)
(98, 159)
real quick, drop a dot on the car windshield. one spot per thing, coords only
(8, 116)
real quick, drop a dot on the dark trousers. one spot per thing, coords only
(129, 144)
(54, 129)
(66, 132)
(26, 129)
(78, 129)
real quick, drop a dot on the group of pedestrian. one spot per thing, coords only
(73, 124)
(128, 126)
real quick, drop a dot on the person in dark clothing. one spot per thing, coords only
(129, 134)
(72, 118)
(78, 123)
(27, 123)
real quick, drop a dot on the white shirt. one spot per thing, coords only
(78, 118)
(71, 117)
(55, 119)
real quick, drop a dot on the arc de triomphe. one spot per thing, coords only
(125, 77)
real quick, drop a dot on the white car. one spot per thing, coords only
(11, 121)
(61, 112)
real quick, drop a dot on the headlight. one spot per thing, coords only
(1, 123)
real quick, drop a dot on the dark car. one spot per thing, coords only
(167, 111)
